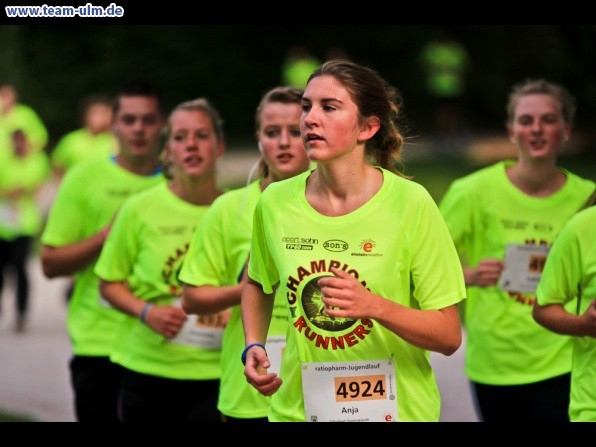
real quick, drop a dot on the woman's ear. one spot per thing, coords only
(567, 134)
(510, 135)
(371, 126)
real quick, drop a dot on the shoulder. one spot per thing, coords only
(587, 183)
(410, 187)
(145, 202)
(285, 187)
(152, 194)
(86, 173)
(583, 217)
(475, 181)
(72, 135)
(232, 197)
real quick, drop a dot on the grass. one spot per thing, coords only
(11, 417)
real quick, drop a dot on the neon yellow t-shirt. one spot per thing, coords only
(216, 257)
(297, 71)
(445, 64)
(145, 248)
(86, 203)
(485, 212)
(80, 145)
(572, 261)
(23, 117)
(396, 244)
(22, 216)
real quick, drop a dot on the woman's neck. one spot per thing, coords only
(338, 190)
(536, 180)
(197, 191)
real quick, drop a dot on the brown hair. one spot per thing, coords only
(374, 97)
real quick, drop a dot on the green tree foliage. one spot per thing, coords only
(55, 66)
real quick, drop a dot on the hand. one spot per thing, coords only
(16, 193)
(589, 317)
(256, 374)
(487, 272)
(344, 296)
(166, 320)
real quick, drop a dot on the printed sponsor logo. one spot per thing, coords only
(367, 246)
(543, 227)
(298, 247)
(514, 224)
(300, 240)
(299, 243)
(335, 245)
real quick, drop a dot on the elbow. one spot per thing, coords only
(103, 286)
(537, 314)
(186, 306)
(452, 344)
(48, 270)
(189, 303)
(49, 266)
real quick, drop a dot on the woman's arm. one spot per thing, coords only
(206, 299)
(165, 320)
(435, 330)
(257, 307)
(70, 259)
(555, 318)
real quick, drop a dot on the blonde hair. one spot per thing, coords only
(542, 86)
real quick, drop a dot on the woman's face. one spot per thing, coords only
(329, 122)
(279, 134)
(192, 146)
(538, 127)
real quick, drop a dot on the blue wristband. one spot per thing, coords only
(243, 357)
(145, 312)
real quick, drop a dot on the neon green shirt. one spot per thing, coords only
(572, 261)
(296, 72)
(396, 244)
(80, 145)
(216, 257)
(86, 202)
(22, 216)
(485, 213)
(145, 248)
(23, 117)
(445, 64)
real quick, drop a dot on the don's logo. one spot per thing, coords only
(335, 245)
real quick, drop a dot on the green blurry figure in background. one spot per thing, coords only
(298, 66)
(445, 62)
(16, 115)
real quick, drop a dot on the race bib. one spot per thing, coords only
(362, 391)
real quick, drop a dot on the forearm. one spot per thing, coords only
(470, 276)
(434, 330)
(204, 300)
(70, 259)
(555, 318)
(119, 296)
(257, 308)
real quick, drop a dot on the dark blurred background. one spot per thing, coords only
(53, 67)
